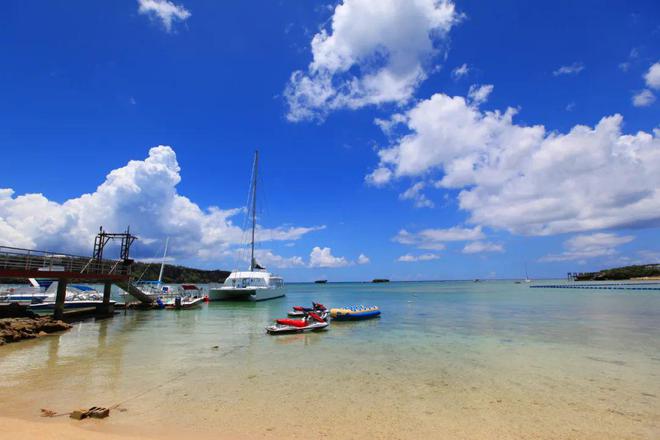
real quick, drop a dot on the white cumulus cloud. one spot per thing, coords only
(583, 247)
(434, 239)
(163, 10)
(374, 52)
(415, 194)
(322, 257)
(643, 99)
(652, 77)
(571, 69)
(266, 257)
(460, 71)
(408, 258)
(479, 94)
(477, 247)
(363, 259)
(142, 194)
(525, 179)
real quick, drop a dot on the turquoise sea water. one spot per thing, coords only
(470, 360)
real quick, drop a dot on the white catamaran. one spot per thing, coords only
(256, 284)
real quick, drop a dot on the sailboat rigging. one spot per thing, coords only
(257, 283)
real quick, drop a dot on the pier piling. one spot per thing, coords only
(104, 309)
(60, 297)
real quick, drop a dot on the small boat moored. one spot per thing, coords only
(354, 313)
(180, 303)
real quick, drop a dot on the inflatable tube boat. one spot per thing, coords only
(355, 313)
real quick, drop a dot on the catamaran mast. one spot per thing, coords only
(162, 263)
(254, 206)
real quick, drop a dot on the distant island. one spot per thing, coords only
(178, 274)
(321, 281)
(380, 280)
(640, 272)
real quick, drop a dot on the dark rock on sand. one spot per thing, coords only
(16, 310)
(17, 329)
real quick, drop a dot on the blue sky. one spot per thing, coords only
(387, 148)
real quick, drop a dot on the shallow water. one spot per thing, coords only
(445, 360)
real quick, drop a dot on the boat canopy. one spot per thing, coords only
(83, 288)
(250, 274)
(253, 279)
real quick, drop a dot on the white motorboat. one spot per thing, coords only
(155, 289)
(41, 295)
(182, 302)
(34, 293)
(255, 284)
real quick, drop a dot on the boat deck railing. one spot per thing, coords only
(17, 259)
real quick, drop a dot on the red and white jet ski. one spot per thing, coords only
(300, 311)
(311, 322)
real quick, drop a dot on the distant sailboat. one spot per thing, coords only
(527, 280)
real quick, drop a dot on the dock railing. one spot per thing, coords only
(12, 258)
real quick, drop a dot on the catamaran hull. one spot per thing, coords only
(245, 294)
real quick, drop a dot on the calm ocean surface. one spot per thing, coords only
(467, 360)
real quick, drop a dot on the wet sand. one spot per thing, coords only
(18, 429)
(489, 392)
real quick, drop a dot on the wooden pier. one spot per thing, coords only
(66, 268)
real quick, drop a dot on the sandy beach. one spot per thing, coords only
(446, 360)
(18, 429)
